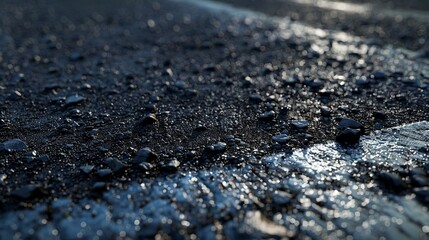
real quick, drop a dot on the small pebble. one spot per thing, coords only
(99, 186)
(104, 173)
(281, 138)
(267, 116)
(145, 166)
(350, 123)
(255, 98)
(73, 100)
(299, 124)
(348, 136)
(115, 164)
(148, 120)
(86, 169)
(145, 155)
(217, 148)
(154, 99)
(200, 128)
(171, 166)
(14, 145)
(86, 86)
(180, 84)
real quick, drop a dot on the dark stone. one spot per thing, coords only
(229, 138)
(180, 84)
(267, 116)
(299, 125)
(200, 128)
(171, 166)
(99, 186)
(53, 70)
(145, 166)
(150, 108)
(378, 125)
(350, 123)
(86, 169)
(148, 120)
(217, 148)
(281, 138)
(401, 97)
(14, 145)
(154, 99)
(115, 164)
(73, 100)
(102, 149)
(397, 74)
(254, 98)
(348, 136)
(379, 115)
(210, 67)
(145, 155)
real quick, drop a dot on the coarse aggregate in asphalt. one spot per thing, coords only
(101, 96)
(321, 192)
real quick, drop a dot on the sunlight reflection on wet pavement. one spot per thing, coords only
(316, 192)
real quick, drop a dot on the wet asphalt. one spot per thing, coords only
(400, 23)
(104, 95)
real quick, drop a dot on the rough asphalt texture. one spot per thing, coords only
(323, 192)
(85, 86)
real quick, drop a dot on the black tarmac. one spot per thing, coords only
(104, 94)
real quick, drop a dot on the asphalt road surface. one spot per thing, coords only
(211, 120)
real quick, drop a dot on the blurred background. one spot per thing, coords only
(401, 23)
